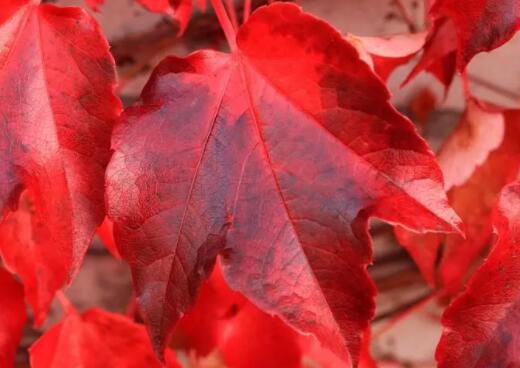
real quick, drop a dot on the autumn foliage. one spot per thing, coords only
(240, 185)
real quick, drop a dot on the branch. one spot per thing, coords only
(405, 16)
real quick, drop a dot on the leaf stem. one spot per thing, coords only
(247, 10)
(225, 23)
(230, 5)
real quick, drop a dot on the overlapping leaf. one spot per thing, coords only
(96, 339)
(56, 110)
(243, 335)
(12, 317)
(482, 325)
(275, 155)
(226, 323)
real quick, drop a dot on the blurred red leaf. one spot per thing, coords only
(473, 200)
(225, 321)
(12, 317)
(244, 335)
(481, 327)
(304, 145)
(422, 106)
(57, 106)
(96, 339)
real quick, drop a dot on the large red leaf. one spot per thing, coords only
(481, 25)
(482, 325)
(473, 200)
(279, 154)
(95, 339)
(12, 317)
(56, 106)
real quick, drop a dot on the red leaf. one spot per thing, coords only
(439, 55)
(279, 153)
(473, 200)
(57, 146)
(95, 339)
(481, 25)
(481, 326)
(12, 317)
(388, 53)
(244, 335)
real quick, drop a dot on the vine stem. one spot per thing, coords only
(418, 304)
(66, 305)
(247, 10)
(406, 16)
(225, 23)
